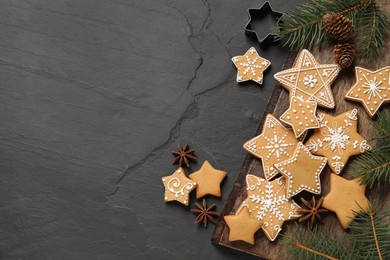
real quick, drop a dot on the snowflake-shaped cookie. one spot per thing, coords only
(273, 145)
(372, 88)
(250, 66)
(267, 201)
(309, 79)
(337, 139)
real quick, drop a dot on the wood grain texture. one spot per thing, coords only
(276, 106)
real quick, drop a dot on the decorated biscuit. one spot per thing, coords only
(178, 187)
(372, 88)
(267, 201)
(250, 66)
(273, 145)
(301, 115)
(346, 198)
(309, 79)
(242, 226)
(302, 171)
(337, 139)
(208, 180)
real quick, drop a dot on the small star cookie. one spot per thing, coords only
(178, 187)
(208, 180)
(301, 115)
(250, 66)
(242, 226)
(337, 139)
(302, 171)
(267, 201)
(372, 88)
(346, 198)
(273, 145)
(309, 79)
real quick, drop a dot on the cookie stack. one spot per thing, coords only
(293, 161)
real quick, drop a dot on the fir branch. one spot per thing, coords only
(373, 167)
(372, 31)
(382, 127)
(297, 244)
(368, 239)
(371, 229)
(302, 27)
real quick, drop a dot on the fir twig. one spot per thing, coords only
(374, 166)
(302, 27)
(297, 244)
(368, 239)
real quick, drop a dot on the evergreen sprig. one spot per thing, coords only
(368, 239)
(373, 167)
(302, 27)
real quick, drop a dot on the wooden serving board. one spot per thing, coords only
(277, 104)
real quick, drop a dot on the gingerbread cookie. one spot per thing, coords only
(372, 88)
(242, 226)
(337, 139)
(267, 201)
(208, 180)
(275, 144)
(178, 187)
(346, 198)
(302, 171)
(250, 66)
(309, 79)
(301, 115)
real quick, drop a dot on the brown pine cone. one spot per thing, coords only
(344, 54)
(338, 26)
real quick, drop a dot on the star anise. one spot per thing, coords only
(204, 213)
(184, 155)
(311, 210)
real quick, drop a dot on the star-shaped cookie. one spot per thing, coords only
(242, 226)
(372, 88)
(346, 197)
(208, 180)
(309, 79)
(250, 66)
(301, 115)
(273, 145)
(178, 187)
(267, 201)
(302, 171)
(337, 139)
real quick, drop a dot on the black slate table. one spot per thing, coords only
(94, 97)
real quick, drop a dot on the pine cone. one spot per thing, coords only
(338, 26)
(344, 54)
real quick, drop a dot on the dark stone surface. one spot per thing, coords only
(94, 97)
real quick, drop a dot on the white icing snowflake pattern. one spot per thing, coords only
(276, 145)
(267, 201)
(310, 81)
(336, 138)
(372, 87)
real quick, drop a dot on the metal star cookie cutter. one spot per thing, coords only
(259, 13)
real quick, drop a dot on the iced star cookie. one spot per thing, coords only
(346, 198)
(267, 201)
(208, 180)
(372, 88)
(302, 171)
(301, 115)
(178, 187)
(273, 145)
(309, 79)
(242, 226)
(250, 66)
(337, 139)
